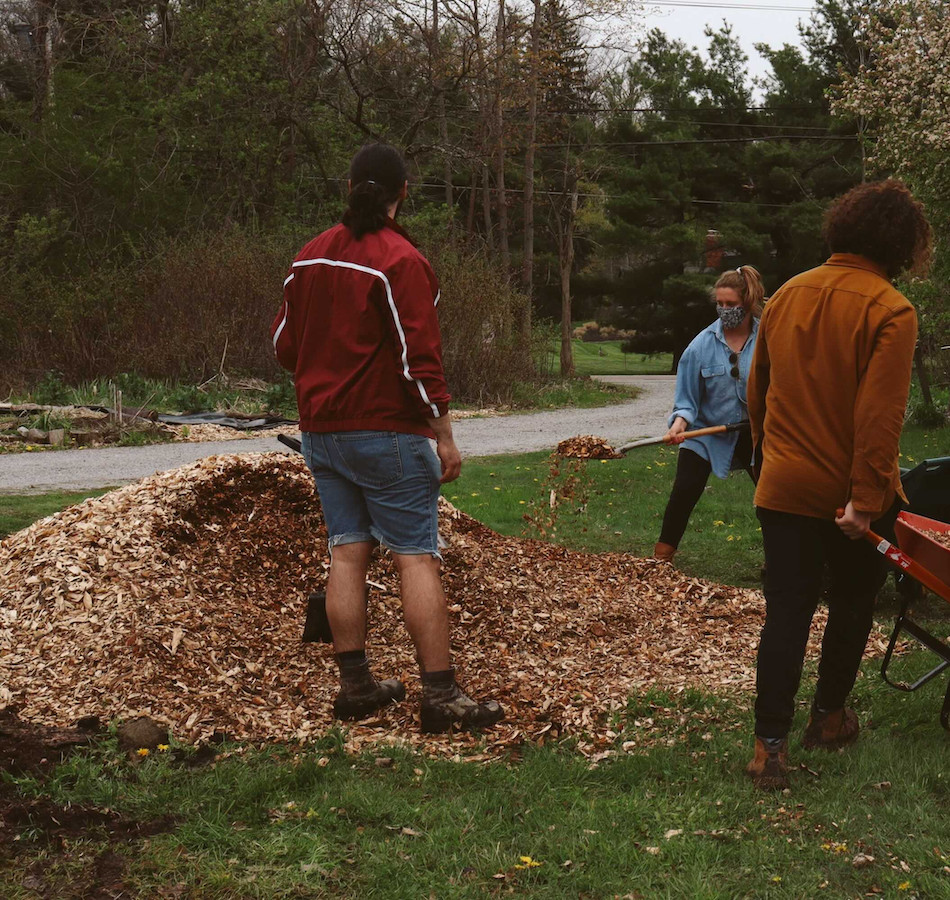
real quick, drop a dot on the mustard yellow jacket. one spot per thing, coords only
(828, 389)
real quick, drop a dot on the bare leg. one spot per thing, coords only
(346, 595)
(423, 604)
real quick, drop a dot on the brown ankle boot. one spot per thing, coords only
(769, 767)
(664, 552)
(831, 729)
(445, 706)
(361, 694)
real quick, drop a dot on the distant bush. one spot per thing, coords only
(592, 332)
(204, 304)
(481, 317)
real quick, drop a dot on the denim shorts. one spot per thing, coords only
(380, 486)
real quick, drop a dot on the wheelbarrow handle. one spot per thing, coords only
(685, 435)
(900, 560)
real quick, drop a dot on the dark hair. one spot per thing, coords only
(377, 176)
(882, 221)
(747, 283)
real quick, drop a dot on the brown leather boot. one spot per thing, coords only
(769, 767)
(361, 695)
(831, 729)
(664, 552)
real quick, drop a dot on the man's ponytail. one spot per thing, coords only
(377, 177)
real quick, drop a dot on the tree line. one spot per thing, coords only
(601, 183)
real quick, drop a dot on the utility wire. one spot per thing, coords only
(701, 3)
(749, 140)
(439, 185)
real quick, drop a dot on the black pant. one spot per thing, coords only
(797, 550)
(692, 473)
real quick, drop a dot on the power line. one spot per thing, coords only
(749, 140)
(702, 3)
(547, 193)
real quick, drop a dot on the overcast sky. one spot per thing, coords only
(775, 22)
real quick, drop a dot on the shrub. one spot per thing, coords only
(593, 332)
(203, 304)
(482, 319)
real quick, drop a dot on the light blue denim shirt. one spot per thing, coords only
(707, 394)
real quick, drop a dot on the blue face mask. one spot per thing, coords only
(731, 316)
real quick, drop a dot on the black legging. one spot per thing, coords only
(692, 473)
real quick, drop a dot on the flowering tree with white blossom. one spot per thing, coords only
(903, 89)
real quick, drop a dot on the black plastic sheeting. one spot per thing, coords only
(213, 418)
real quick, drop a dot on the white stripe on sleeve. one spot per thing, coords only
(280, 327)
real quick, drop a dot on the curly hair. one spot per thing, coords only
(747, 283)
(882, 221)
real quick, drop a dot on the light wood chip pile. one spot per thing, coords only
(182, 597)
(587, 446)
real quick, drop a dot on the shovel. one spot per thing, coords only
(685, 435)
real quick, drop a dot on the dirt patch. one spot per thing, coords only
(27, 748)
(65, 834)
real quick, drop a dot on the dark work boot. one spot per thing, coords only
(361, 694)
(769, 767)
(831, 729)
(445, 706)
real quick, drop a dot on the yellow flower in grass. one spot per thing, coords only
(143, 751)
(163, 748)
(527, 863)
(718, 522)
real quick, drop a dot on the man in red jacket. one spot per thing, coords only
(359, 329)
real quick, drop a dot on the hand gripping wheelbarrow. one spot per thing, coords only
(927, 561)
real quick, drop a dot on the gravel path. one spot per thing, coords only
(74, 470)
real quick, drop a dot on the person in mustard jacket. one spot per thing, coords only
(827, 394)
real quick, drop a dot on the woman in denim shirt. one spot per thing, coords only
(711, 390)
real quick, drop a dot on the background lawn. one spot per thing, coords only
(605, 358)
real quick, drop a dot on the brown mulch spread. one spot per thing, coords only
(182, 597)
(587, 446)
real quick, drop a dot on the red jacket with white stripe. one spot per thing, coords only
(358, 328)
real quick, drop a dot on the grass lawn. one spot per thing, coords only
(605, 358)
(668, 815)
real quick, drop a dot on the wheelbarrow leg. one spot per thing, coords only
(945, 712)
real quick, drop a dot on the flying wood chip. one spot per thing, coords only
(587, 446)
(182, 598)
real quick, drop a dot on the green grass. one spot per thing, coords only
(19, 510)
(627, 498)
(605, 358)
(579, 393)
(672, 816)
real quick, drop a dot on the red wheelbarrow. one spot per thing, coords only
(927, 561)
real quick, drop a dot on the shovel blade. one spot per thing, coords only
(316, 628)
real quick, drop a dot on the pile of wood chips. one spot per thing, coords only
(587, 446)
(182, 597)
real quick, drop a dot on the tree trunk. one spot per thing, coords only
(922, 376)
(43, 50)
(527, 262)
(486, 206)
(501, 196)
(472, 202)
(566, 260)
(440, 108)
